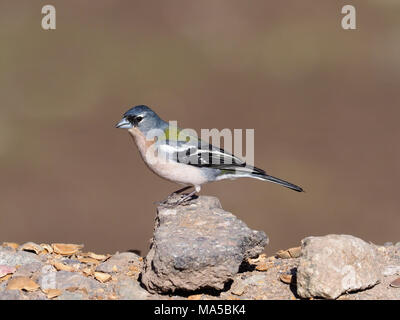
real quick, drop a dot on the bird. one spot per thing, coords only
(186, 161)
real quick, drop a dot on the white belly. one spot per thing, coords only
(167, 169)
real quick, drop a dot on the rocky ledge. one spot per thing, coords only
(200, 251)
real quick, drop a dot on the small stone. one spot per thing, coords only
(289, 253)
(120, 262)
(283, 254)
(264, 266)
(391, 270)
(102, 277)
(286, 278)
(395, 283)
(336, 264)
(22, 283)
(238, 288)
(87, 271)
(66, 249)
(62, 267)
(31, 247)
(52, 293)
(89, 261)
(95, 256)
(295, 252)
(46, 247)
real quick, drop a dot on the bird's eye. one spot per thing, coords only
(134, 120)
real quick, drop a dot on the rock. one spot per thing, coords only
(286, 278)
(31, 247)
(395, 283)
(334, 264)
(102, 277)
(11, 295)
(391, 270)
(11, 258)
(198, 245)
(67, 295)
(5, 270)
(28, 269)
(66, 249)
(52, 293)
(128, 289)
(238, 288)
(22, 283)
(120, 262)
(64, 280)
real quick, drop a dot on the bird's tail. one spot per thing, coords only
(256, 173)
(279, 181)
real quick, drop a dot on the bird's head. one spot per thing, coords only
(141, 117)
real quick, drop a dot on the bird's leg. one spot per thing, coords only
(185, 198)
(188, 196)
(173, 194)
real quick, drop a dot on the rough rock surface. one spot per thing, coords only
(64, 272)
(120, 262)
(265, 277)
(334, 264)
(197, 246)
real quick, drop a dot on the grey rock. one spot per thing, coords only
(28, 269)
(128, 289)
(67, 295)
(66, 279)
(255, 279)
(198, 246)
(11, 295)
(14, 258)
(335, 264)
(122, 261)
(71, 262)
(242, 284)
(391, 270)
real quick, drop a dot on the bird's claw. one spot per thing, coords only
(171, 201)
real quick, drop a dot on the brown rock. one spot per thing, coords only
(395, 283)
(66, 249)
(102, 277)
(22, 283)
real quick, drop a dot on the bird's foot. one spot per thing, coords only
(175, 200)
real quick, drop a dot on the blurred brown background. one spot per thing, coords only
(324, 103)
